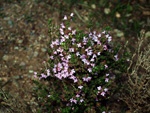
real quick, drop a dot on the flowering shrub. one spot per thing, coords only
(79, 71)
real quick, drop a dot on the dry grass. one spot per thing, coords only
(138, 95)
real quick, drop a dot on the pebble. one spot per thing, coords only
(119, 33)
(106, 10)
(6, 18)
(35, 54)
(147, 34)
(20, 41)
(22, 64)
(16, 77)
(30, 71)
(43, 50)
(16, 48)
(5, 57)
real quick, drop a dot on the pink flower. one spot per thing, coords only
(73, 39)
(107, 74)
(77, 95)
(71, 100)
(90, 70)
(51, 57)
(74, 32)
(106, 66)
(71, 14)
(99, 35)
(98, 53)
(75, 101)
(103, 32)
(67, 36)
(75, 80)
(71, 49)
(65, 17)
(105, 89)
(55, 52)
(103, 93)
(106, 80)
(69, 28)
(81, 100)
(77, 54)
(92, 65)
(49, 95)
(80, 87)
(79, 45)
(99, 88)
(62, 25)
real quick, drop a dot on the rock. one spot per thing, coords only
(5, 57)
(93, 6)
(147, 34)
(22, 64)
(16, 48)
(30, 71)
(118, 15)
(43, 50)
(119, 33)
(106, 10)
(35, 54)
(20, 41)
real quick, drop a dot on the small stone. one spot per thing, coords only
(147, 34)
(118, 15)
(106, 10)
(16, 48)
(6, 18)
(119, 33)
(93, 6)
(5, 57)
(43, 50)
(30, 71)
(22, 64)
(20, 41)
(29, 76)
(36, 54)
(17, 77)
